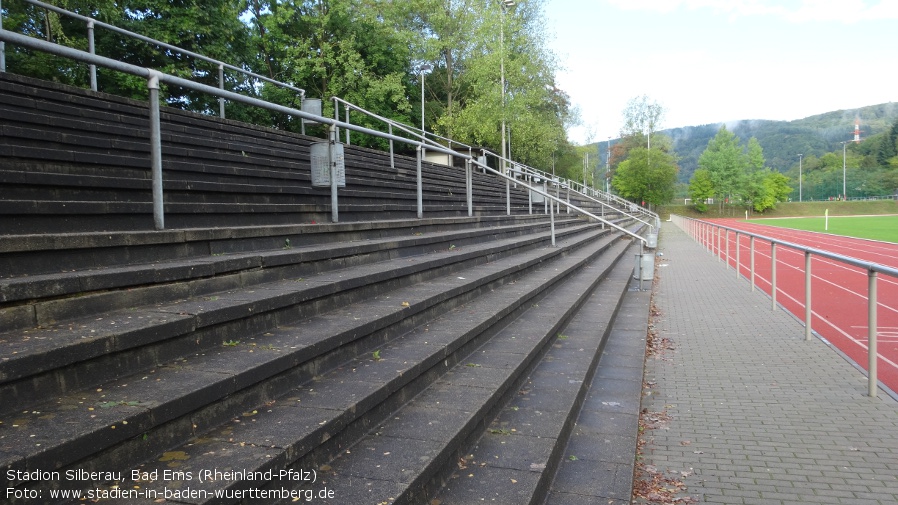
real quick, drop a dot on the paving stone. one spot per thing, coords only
(758, 415)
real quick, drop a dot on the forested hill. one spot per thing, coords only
(784, 140)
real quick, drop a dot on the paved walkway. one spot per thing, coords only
(743, 410)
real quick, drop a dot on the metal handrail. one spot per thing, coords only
(154, 78)
(427, 142)
(423, 135)
(91, 22)
(698, 230)
(411, 130)
(528, 170)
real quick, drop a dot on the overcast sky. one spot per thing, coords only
(710, 61)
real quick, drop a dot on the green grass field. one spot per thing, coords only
(883, 228)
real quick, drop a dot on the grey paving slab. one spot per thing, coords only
(748, 412)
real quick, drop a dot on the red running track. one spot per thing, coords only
(839, 291)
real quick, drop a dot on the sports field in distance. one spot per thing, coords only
(883, 228)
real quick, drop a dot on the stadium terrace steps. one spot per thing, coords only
(383, 354)
(281, 334)
(143, 314)
(101, 266)
(75, 160)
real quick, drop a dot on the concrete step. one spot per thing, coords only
(144, 403)
(33, 254)
(140, 331)
(598, 464)
(310, 433)
(515, 459)
(26, 280)
(74, 160)
(417, 449)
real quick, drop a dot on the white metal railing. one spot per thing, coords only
(709, 235)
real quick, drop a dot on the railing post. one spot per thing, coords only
(332, 167)
(773, 275)
(392, 157)
(709, 237)
(552, 220)
(2, 43)
(717, 240)
(336, 114)
(641, 254)
(872, 353)
(221, 100)
(347, 122)
(156, 150)
(807, 295)
(529, 180)
(91, 50)
(726, 241)
(469, 186)
(705, 235)
(420, 193)
(738, 255)
(507, 195)
(751, 253)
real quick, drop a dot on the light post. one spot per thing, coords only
(504, 4)
(844, 189)
(608, 168)
(423, 68)
(799, 177)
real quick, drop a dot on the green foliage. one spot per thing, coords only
(783, 140)
(534, 110)
(754, 155)
(731, 172)
(701, 189)
(725, 162)
(775, 188)
(367, 53)
(646, 176)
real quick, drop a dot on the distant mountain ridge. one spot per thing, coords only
(782, 141)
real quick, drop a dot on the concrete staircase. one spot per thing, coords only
(384, 359)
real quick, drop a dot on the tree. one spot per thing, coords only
(535, 110)
(725, 163)
(642, 116)
(776, 189)
(365, 52)
(211, 28)
(646, 176)
(701, 189)
(888, 148)
(354, 50)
